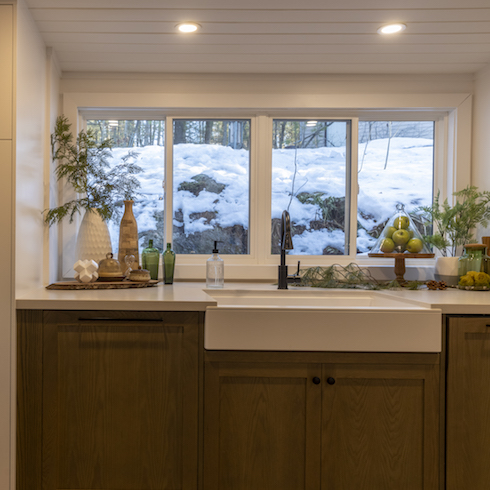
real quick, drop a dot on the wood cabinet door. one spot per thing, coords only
(468, 404)
(262, 426)
(380, 427)
(120, 401)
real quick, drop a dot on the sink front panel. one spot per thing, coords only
(314, 330)
(346, 321)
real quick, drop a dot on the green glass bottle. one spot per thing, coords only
(168, 265)
(150, 259)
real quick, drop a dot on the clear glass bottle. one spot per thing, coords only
(215, 270)
(474, 258)
(168, 265)
(150, 260)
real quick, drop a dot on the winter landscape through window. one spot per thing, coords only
(310, 170)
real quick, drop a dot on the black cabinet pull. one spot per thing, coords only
(331, 381)
(119, 320)
(316, 380)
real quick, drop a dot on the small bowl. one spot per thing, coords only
(139, 275)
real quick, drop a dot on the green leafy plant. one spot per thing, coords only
(454, 225)
(84, 164)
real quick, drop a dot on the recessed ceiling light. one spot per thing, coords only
(188, 27)
(391, 28)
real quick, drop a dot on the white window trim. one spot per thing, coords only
(453, 133)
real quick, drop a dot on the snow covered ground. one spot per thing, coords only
(407, 178)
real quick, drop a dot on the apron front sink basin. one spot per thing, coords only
(319, 320)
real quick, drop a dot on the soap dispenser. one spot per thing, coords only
(215, 270)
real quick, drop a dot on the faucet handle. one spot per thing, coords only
(295, 278)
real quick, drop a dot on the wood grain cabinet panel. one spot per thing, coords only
(262, 427)
(468, 404)
(342, 426)
(380, 427)
(119, 401)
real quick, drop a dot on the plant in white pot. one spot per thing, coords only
(101, 188)
(454, 227)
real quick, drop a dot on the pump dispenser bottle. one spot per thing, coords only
(215, 270)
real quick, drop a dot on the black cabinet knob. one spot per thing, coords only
(331, 381)
(316, 380)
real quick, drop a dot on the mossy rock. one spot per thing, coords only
(200, 183)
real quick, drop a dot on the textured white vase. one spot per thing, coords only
(94, 240)
(446, 269)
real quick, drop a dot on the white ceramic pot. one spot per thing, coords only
(94, 240)
(446, 269)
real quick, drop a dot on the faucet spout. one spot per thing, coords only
(286, 244)
(286, 240)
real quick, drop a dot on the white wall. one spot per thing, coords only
(30, 150)
(481, 136)
(51, 192)
(33, 91)
(270, 85)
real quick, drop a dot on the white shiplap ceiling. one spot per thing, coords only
(266, 36)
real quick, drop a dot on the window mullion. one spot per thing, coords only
(351, 195)
(263, 188)
(168, 180)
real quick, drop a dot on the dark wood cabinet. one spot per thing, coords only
(262, 424)
(468, 403)
(108, 400)
(114, 400)
(342, 421)
(380, 426)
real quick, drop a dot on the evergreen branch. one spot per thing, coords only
(85, 165)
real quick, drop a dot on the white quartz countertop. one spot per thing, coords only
(181, 296)
(190, 296)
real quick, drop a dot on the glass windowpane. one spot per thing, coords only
(211, 186)
(396, 165)
(309, 177)
(145, 139)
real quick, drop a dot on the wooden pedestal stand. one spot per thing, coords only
(400, 262)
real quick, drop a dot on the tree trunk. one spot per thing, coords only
(179, 133)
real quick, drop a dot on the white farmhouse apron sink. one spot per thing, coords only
(319, 320)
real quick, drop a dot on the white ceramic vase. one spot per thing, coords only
(94, 240)
(446, 269)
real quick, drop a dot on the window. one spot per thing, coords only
(229, 179)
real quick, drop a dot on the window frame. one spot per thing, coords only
(451, 145)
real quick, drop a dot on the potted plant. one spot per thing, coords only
(101, 187)
(454, 226)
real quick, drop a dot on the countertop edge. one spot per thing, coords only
(187, 296)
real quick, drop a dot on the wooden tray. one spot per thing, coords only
(102, 285)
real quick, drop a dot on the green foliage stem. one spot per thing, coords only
(454, 225)
(84, 165)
